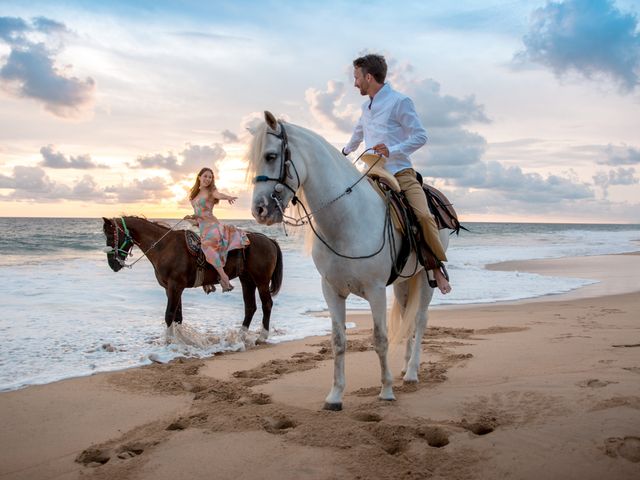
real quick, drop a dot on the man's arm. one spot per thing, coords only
(356, 139)
(417, 135)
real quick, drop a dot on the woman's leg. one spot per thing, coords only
(224, 279)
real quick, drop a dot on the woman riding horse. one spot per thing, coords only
(216, 237)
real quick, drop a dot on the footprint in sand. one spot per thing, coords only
(627, 447)
(594, 383)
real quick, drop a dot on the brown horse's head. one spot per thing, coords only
(119, 243)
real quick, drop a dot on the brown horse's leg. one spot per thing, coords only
(267, 303)
(249, 297)
(174, 305)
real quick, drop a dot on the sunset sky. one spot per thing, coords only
(532, 108)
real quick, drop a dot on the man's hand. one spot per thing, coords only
(381, 149)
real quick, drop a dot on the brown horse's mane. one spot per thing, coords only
(155, 222)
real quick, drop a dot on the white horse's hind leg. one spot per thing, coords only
(378, 302)
(401, 293)
(336, 304)
(424, 293)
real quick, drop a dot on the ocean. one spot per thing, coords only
(65, 313)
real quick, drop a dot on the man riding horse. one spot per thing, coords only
(390, 126)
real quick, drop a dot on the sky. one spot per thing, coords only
(532, 108)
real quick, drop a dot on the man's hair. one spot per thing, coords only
(373, 64)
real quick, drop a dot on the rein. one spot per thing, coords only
(306, 218)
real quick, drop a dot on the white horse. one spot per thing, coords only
(288, 160)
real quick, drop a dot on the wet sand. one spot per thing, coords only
(548, 388)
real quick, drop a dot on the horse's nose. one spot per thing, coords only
(259, 211)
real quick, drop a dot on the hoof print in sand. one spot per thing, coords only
(179, 424)
(94, 457)
(366, 417)
(278, 424)
(128, 451)
(594, 383)
(627, 447)
(435, 436)
(482, 427)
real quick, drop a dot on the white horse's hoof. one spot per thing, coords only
(410, 381)
(387, 395)
(333, 407)
(387, 399)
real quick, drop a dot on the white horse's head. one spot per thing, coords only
(276, 178)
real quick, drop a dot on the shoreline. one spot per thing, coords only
(523, 389)
(552, 266)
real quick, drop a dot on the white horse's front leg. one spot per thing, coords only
(378, 302)
(414, 343)
(336, 304)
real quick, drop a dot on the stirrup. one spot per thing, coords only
(209, 289)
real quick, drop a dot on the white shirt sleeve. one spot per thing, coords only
(356, 139)
(407, 116)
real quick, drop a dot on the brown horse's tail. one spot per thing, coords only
(276, 276)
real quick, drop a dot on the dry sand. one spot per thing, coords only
(541, 389)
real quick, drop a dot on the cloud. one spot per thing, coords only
(438, 110)
(53, 159)
(590, 37)
(229, 137)
(33, 184)
(12, 29)
(30, 71)
(619, 176)
(191, 160)
(149, 189)
(621, 156)
(326, 106)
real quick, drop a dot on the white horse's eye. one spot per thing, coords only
(270, 157)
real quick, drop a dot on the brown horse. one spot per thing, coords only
(259, 265)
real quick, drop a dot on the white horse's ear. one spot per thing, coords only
(252, 130)
(271, 120)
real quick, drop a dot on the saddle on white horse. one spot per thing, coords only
(403, 217)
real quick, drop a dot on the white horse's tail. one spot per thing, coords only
(401, 326)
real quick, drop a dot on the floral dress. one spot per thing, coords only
(216, 237)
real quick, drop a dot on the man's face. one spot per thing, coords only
(361, 80)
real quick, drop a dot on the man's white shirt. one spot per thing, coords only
(389, 118)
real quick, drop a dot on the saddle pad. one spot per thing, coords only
(442, 209)
(192, 240)
(380, 185)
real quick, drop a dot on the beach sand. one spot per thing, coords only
(548, 388)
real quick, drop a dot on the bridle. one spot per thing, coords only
(281, 181)
(121, 251)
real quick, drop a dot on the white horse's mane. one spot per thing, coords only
(255, 152)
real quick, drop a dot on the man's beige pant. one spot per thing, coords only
(418, 201)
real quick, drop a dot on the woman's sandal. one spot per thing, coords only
(226, 288)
